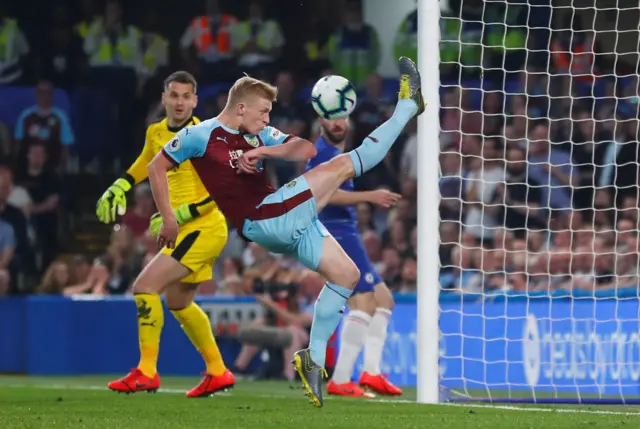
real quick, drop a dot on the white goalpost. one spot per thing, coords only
(428, 201)
(528, 205)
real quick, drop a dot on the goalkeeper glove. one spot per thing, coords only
(183, 215)
(113, 199)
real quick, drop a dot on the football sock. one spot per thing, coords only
(150, 322)
(374, 343)
(376, 145)
(326, 317)
(354, 332)
(196, 325)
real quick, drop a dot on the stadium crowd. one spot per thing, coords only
(539, 161)
(99, 58)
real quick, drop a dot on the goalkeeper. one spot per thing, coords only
(178, 271)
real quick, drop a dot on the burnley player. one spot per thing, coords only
(227, 153)
(175, 272)
(371, 303)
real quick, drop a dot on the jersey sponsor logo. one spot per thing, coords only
(224, 139)
(174, 145)
(234, 156)
(252, 140)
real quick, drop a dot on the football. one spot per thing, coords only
(333, 97)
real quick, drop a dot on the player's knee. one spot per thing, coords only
(351, 275)
(342, 165)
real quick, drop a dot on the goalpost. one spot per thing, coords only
(528, 188)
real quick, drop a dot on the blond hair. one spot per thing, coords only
(248, 86)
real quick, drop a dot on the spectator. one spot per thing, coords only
(409, 276)
(520, 195)
(61, 60)
(19, 196)
(23, 262)
(124, 262)
(206, 44)
(46, 125)
(257, 42)
(552, 168)
(15, 50)
(391, 268)
(137, 218)
(7, 250)
(96, 282)
(55, 279)
(482, 219)
(354, 48)
(44, 187)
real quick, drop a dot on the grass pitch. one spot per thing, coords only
(84, 402)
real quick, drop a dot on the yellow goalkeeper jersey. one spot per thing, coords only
(185, 185)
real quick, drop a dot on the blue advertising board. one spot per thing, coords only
(584, 345)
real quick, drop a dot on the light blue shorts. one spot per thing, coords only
(287, 222)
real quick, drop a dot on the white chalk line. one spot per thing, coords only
(385, 400)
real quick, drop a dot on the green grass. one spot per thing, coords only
(84, 402)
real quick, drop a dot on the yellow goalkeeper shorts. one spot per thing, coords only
(198, 246)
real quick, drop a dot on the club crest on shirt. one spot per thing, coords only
(252, 140)
(174, 145)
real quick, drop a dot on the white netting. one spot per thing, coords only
(539, 178)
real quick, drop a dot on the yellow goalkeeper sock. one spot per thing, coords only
(196, 325)
(150, 322)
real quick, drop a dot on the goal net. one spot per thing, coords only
(539, 201)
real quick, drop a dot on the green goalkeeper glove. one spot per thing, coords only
(183, 215)
(114, 199)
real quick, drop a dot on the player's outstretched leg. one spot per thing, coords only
(371, 378)
(161, 272)
(410, 103)
(342, 275)
(326, 178)
(197, 327)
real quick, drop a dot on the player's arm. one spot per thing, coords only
(188, 143)
(114, 198)
(276, 145)
(381, 197)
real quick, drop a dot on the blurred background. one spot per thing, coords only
(539, 136)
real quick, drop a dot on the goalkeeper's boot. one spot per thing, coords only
(311, 376)
(350, 389)
(134, 382)
(211, 384)
(410, 84)
(379, 384)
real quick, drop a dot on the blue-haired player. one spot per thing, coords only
(371, 303)
(227, 154)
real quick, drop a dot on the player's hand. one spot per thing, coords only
(248, 162)
(183, 214)
(114, 199)
(168, 233)
(384, 198)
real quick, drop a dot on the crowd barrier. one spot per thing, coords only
(586, 343)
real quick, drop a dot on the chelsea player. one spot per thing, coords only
(371, 303)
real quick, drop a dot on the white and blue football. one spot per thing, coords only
(333, 97)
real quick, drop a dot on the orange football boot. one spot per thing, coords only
(134, 382)
(379, 384)
(350, 389)
(211, 384)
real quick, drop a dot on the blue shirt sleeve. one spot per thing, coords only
(272, 136)
(7, 237)
(18, 133)
(66, 132)
(190, 142)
